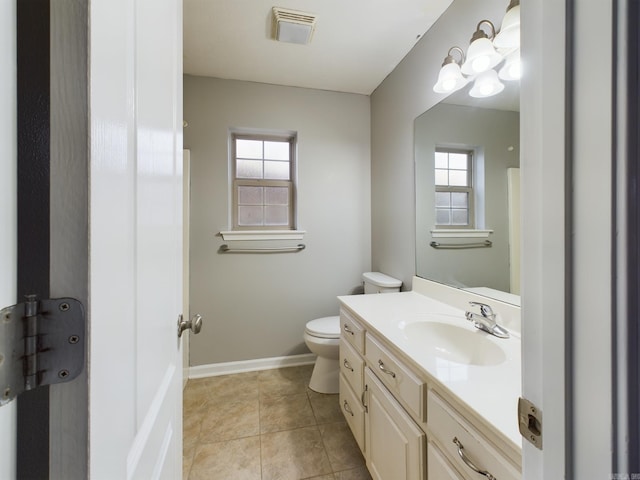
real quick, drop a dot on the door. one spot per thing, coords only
(8, 162)
(135, 362)
(186, 197)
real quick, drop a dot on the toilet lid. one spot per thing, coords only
(326, 327)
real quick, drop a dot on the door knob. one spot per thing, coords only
(195, 324)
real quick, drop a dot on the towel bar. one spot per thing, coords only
(227, 249)
(485, 244)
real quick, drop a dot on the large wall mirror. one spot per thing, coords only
(485, 258)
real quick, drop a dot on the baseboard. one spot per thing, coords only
(215, 369)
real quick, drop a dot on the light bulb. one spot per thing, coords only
(449, 84)
(480, 64)
(486, 85)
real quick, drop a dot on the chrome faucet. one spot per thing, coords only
(486, 320)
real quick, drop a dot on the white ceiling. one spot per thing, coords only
(356, 44)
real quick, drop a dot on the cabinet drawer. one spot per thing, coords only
(397, 377)
(351, 365)
(445, 424)
(353, 411)
(438, 467)
(352, 331)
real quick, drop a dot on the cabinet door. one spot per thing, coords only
(395, 446)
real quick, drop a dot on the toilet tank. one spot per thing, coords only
(376, 282)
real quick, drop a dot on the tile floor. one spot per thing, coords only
(266, 425)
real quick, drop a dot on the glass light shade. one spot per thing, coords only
(481, 56)
(511, 70)
(486, 85)
(509, 35)
(450, 79)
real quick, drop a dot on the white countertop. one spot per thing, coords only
(490, 392)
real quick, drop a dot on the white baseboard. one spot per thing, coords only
(215, 369)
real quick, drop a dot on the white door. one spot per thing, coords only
(186, 198)
(8, 175)
(135, 363)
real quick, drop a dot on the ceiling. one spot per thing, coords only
(356, 43)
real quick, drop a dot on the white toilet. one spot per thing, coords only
(322, 337)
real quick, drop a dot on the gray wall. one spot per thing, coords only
(493, 131)
(256, 305)
(405, 94)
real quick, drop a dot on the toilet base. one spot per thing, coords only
(326, 376)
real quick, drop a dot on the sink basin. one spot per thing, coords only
(454, 343)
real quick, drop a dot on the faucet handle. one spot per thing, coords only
(485, 309)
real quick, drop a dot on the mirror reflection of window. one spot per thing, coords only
(454, 188)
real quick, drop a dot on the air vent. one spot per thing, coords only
(293, 26)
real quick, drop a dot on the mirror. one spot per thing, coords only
(489, 128)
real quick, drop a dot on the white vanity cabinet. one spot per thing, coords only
(403, 420)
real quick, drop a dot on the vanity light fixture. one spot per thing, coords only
(486, 84)
(450, 77)
(481, 54)
(486, 51)
(509, 36)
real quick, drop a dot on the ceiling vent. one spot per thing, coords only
(293, 26)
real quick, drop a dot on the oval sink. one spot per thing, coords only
(455, 344)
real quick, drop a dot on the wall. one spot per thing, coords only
(256, 305)
(405, 94)
(494, 132)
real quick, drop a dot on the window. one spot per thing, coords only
(454, 188)
(263, 187)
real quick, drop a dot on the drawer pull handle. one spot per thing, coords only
(468, 462)
(384, 369)
(347, 408)
(366, 408)
(347, 365)
(347, 329)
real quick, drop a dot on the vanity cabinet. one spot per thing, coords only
(404, 423)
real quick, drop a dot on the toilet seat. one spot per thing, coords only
(326, 327)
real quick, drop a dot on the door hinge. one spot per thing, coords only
(530, 422)
(42, 342)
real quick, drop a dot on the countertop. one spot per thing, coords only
(490, 392)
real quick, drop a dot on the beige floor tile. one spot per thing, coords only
(294, 454)
(235, 459)
(187, 460)
(322, 477)
(341, 447)
(285, 413)
(284, 381)
(326, 408)
(240, 386)
(226, 420)
(194, 398)
(354, 474)
(191, 425)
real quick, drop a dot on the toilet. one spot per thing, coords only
(322, 336)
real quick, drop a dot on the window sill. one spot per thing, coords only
(229, 235)
(460, 233)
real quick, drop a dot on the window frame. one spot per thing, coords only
(469, 189)
(236, 182)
